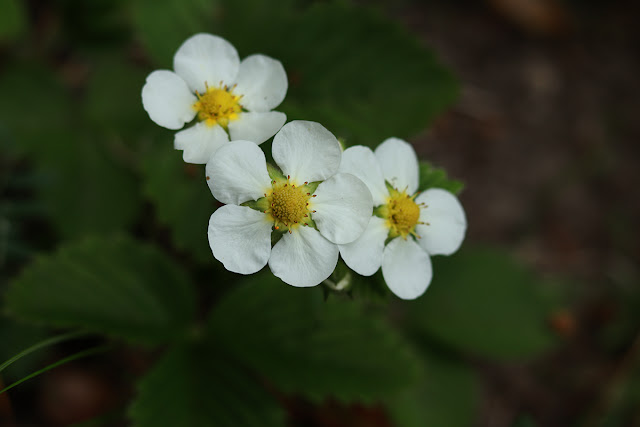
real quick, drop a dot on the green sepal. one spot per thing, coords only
(262, 204)
(311, 223)
(311, 187)
(275, 173)
(381, 211)
(390, 188)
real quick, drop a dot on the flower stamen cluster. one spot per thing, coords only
(402, 213)
(218, 105)
(288, 205)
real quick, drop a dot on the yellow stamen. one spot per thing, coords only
(218, 106)
(402, 214)
(288, 205)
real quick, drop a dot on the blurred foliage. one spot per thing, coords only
(324, 348)
(86, 172)
(181, 197)
(481, 302)
(432, 177)
(446, 395)
(116, 286)
(200, 386)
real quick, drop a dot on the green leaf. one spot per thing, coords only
(431, 177)
(84, 185)
(34, 116)
(365, 80)
(447, 395)
(13, 19)
(164, 25)
(482, 302)
(181, 197)
(194, 386)
(15, 337)
(115, 286)
(305, 345)
(113, 100)
(86, 190)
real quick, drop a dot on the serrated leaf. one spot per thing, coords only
(345, 77)
(84, 186)
(447, 395)
(181, 197)
(164, 25)
(303, 344)
(482, 302)
(431, 177)
(115, 286)
(194, 386)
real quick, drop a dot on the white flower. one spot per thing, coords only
(407, 227)
(308, 203)
(230, 98)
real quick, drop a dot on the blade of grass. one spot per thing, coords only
(84, 353)
(42, 344)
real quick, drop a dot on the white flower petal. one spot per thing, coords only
(343, 208)
(168, 100)
(199, 142)
(399, 164)
(262, 82)
(306, 151)
(446, 221)
(303, 258)
(364, 255)
(361, 162)
(238, 173)
(256, 127)
(406, 268)
(206, 58)
(240, 238)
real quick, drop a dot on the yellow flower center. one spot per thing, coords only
(218, 106)
(289, 205)
(402, 213)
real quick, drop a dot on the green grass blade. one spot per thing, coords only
(42, 344)
(67, 359)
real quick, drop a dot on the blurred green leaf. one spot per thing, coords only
(482, 302)
(115, 286)
(86, 191)
(13, 19)
(113, 101)
(194, 386)
(350, 68)
(303, 344)
(86, 187)
(163, 25)
(181, 197)
(34, 107)
(15, 337)
(431, 177)
(447, 395)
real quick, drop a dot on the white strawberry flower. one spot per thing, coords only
(231, 99)
(306, 203)
(407, 227)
